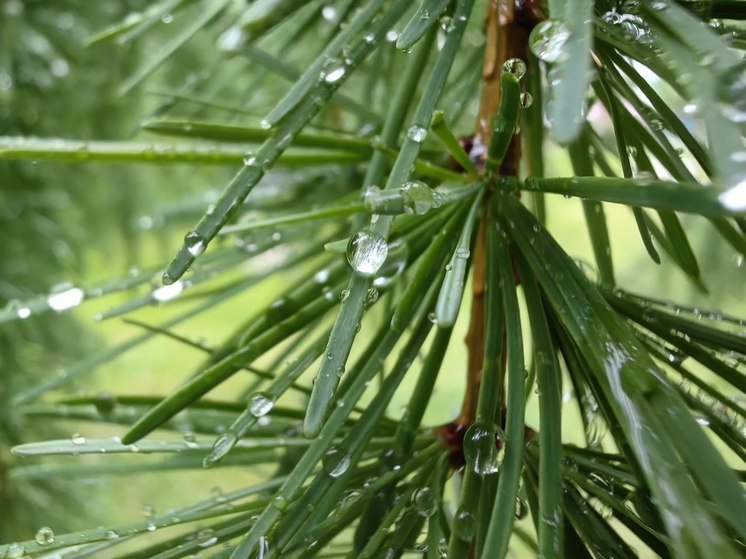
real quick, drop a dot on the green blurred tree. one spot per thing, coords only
(355, 185)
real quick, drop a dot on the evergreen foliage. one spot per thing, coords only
(344, 120)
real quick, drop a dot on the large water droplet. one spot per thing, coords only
(732, 94)
(366, 252)
(526, 100)
(168, 292)
(260, 404)
(335, 462)
(105, 403)
(66, 299)
(329, 13)
(515, 66)
(734, 199)
(14, 551)
(418, 197)
(481, 448)
(194, 243)
(44, 535)
(548, 39)
(206, 538)
(521, 509)
(222, 446)
(416, 133)
(595, 430)
(424, 501)
(464, 524)
(77, 438)
(333, 71)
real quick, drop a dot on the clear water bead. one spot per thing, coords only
(416, 133)
(732, 94)
(260, 404)
(222, 446)
(515, 66)
(329, 13)
(465, 525)
(333, 71)
(77, 438)
(14, 550)
(66, 299)
(168, 292)
(526, 100)
(418, 197)
(548, 39)
(207, 538)
(366, 252)
(335, 462)
(734, 199)
(521, 509)
(195, 243)
(424, 501)
(480, 448)
(44, 535)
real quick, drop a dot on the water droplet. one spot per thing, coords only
(77, 438)
(6, 82)
(322, 276)
(348, 499)
(148, 510)
(548, 39)
(329, 13)
(734, 199)
(14, 551)
(732, 93)
(464, 524)
(280, 502)
(249, 159)
(105, 403)
(369, 38)
(222, 446)
(194, 243)
(462, 252)
(366, 252)
(371, 296)
(206, 538)
(23, 313)
(167, 292)
(392, 36)
(44, 535)
(66, 299)
(344, 294)
(260, 403)
(424, 501)
(418, 197)
(521, 509)
(526, 100)
(231, 39)
(335, 462)
(515, 66)
(595, 430)
(416, 133)
(481, 450)
(333, 71)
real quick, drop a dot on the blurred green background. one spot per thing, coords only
(85, 224)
